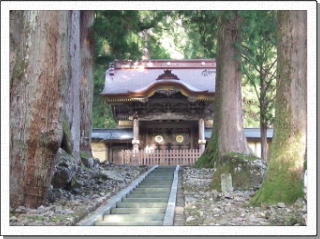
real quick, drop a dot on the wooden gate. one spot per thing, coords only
(161, 157)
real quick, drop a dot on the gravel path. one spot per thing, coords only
(206, 207)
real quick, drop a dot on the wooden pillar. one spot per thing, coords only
(135, 142)
(201, 141)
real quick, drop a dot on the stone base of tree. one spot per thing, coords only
(64, 169)
(246, 171)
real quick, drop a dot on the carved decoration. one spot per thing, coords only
(167, 92)
(167, 75)
(180, 138)
(158, 139)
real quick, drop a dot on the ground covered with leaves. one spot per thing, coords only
(89, 188)
(207, 207)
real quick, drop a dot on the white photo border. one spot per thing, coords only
(309, 229)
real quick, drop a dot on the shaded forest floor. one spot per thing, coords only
(207, 207)
(94, 186)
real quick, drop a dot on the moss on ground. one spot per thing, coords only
(85, 155)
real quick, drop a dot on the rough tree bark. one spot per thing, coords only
(72, 101)
(86, 86)
(38, 75)
(227, 135)
(284, 178)
(229, 118)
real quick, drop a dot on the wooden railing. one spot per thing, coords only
(160, 157)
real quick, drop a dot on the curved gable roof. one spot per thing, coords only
(139, 79)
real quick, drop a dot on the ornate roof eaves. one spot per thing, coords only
(143, 95)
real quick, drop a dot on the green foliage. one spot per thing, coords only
(201, 28)
(258, 54)
(85, 155)
(101, 113)
(119, 35)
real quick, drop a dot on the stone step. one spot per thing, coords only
(154, 186)
(164, 177)
(132, 217)
(151, 190)
(141, 205)
(146, 204)
(137, 210)
(151, 223)
(148, 182)
(145, 200)
(161, 173)
(148, 195)
(157, 182)
(139, 196)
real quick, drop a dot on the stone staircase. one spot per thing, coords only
(146, 204)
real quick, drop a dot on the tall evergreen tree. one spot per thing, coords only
(86, 83)
(39, 56)
(227, 134)
(45, 105)
(284, 181)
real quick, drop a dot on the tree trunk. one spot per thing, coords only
(229, 118)
(264, 141)
(72, 100)
(284, 181)
(263, 112)
(86, 86)
(228, 135)
(39, 72)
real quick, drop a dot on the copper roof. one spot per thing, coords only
(137, 78)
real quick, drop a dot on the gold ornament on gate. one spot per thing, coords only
(158, 139)
(179, 139)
